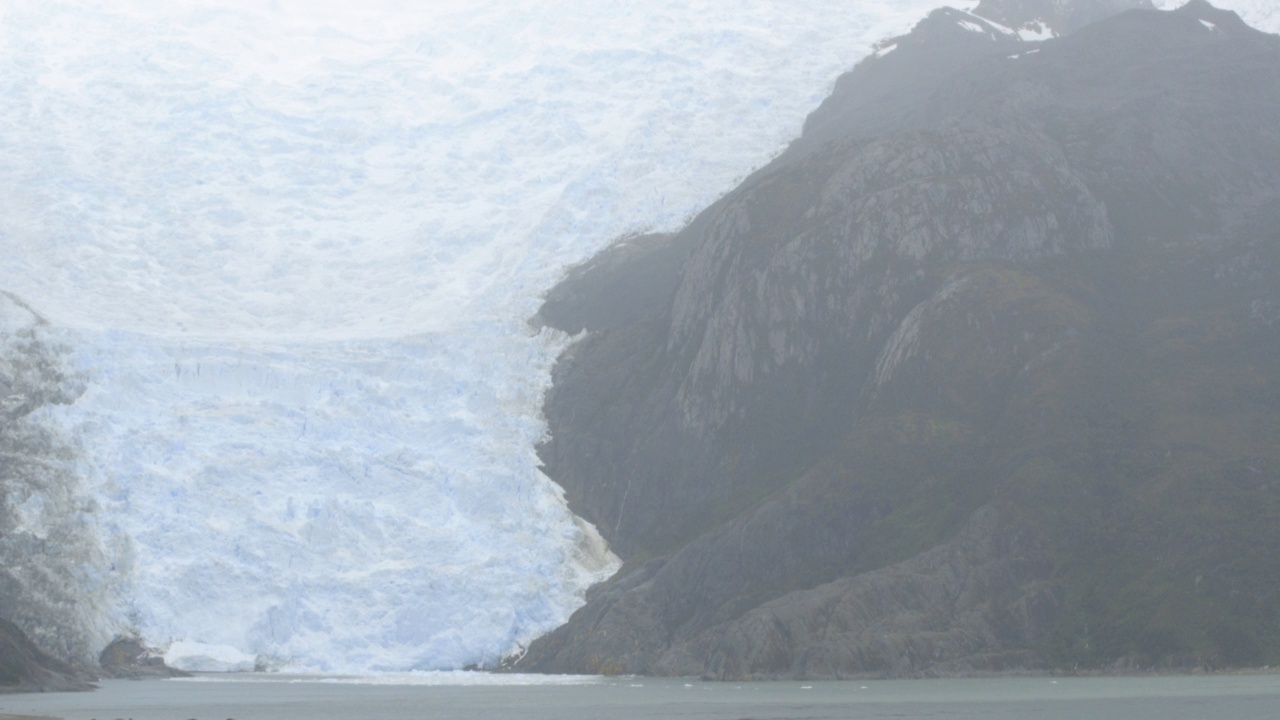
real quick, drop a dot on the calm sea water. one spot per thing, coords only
(438, 696)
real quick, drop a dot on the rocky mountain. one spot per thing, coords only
(982, 373)
(26, 668)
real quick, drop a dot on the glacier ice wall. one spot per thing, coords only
(293, 245)
(356, 505)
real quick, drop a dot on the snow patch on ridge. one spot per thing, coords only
(428, 678)
(972, 26)
(1033, 31)
(1261, 15)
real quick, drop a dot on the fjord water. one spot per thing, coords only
(455, 695)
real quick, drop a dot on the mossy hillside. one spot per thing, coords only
(1153, 582)
(1146, 461)
(1161, 506)
(935, 444)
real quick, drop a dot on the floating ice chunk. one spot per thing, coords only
(881, 52)
(1208, 24)
(201, 657)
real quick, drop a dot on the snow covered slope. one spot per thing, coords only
(221, 170)
(1261, 14)
(295, 245)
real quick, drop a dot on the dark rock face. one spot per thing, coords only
(979, 374)
(26, 668)
(622, 286)
(129, 658)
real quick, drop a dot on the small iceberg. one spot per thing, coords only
(199, 657)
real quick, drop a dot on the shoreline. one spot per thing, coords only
(858, 677)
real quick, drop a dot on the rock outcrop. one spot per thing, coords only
(44, 543)
(978, 374)
(26, 668)
(129, 658)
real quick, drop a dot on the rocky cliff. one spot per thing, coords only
(47, 541)
(981, 373)
(26, 668)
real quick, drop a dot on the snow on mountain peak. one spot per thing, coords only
(1261, 15)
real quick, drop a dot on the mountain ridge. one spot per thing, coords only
(893, 352)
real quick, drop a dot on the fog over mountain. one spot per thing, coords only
(271, 398)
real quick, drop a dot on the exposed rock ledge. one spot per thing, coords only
(954, 609)
(971, 605)
(26, 668)
(129, 658)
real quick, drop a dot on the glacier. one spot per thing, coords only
(294, 247)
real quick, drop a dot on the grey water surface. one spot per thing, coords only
(277, 697)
